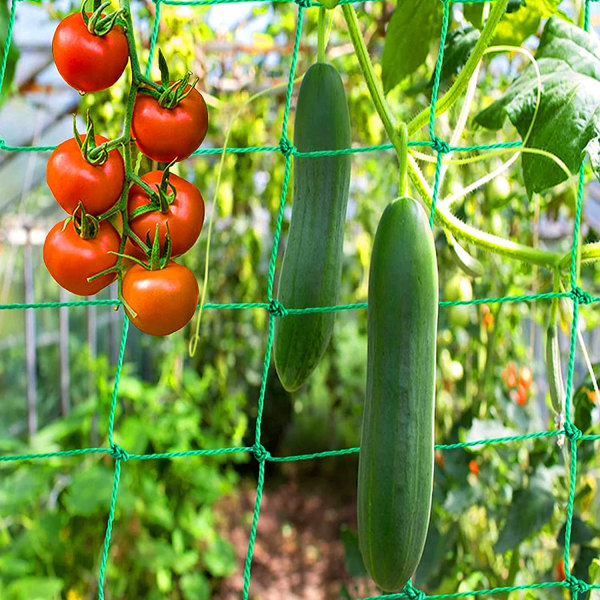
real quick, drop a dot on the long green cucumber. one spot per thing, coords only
(395, 472)
(312, 263)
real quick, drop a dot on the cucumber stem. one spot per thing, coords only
(403, 158)
(321, 35)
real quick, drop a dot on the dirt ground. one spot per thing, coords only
(298, 552)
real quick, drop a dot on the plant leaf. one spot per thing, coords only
(567, 123)
(459, 45)
(412, 28)
(530, 509)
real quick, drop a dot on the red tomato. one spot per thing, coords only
(560, 569)
(525, 376)
(474, 467)
(88, 62)
(164, 300)
(521, 398)
(71, 178)
(185, 215)
(71, 260)
(165, 134)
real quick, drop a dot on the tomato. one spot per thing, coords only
(525, 376)
(560, 569)
(185, 215)
(70, 259)
(86, 61)
(521, 398)
(71, 178)
(165, 134)
(474, 467)
(164, 300)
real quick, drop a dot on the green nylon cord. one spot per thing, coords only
(276, 310)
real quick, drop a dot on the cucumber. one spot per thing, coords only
(395, 472)
(312, 262)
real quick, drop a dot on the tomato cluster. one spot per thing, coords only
(122, 225)
(520, 381)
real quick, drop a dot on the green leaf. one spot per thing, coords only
(412, 28)
(90, 491)
(195, 587)
(35, 588)
(567, 122)
(581, 568)
(219, 558)
(473, 12)
(581, 532)
(594, 577)
(459, 45)
(352, 557)
(530, 510)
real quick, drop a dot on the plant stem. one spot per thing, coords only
(321, 35)
(375, 90)
(443, 215)
(454, 93)
(403, 158)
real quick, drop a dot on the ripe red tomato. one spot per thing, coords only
(165, 134)
(525, 376)
(560, 569)
(164, 300)
(71, 178)
(70, 259)
(185, 215)
(474, 467)
(88, 62)
(521, 397)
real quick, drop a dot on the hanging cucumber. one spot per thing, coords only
(395, 473)
(312, 263)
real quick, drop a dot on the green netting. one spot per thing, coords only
(276, 310)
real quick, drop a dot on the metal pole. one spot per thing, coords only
(30, 349)
(65, 378)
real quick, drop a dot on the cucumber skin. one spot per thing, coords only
(312, 263)
(395, 473)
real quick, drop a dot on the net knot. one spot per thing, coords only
(438, 144)
(577, 585)
(261, 454)
(304, 3)
(412, 593)
(572, 431)
(2, 144)
(277, 309)
(118, 453)
(285, 145)
(580, 296)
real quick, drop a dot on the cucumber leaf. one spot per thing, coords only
(459, 45)
(522, 20)
(413, 27)
(568, 119)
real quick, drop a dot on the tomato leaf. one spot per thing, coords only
(567, 123)
(412, 28)
(531, 508)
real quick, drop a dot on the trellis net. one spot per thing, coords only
(275, 310)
